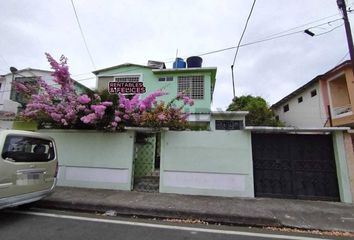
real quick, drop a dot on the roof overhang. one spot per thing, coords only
(28, 70)
(326, 75)
(265, 129)
(229, 113)
(96, 72)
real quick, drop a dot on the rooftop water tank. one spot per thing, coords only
(194, 62)
(179, 63)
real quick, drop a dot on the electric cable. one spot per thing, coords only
(82, 34)
(238, 46)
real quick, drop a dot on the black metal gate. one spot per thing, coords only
(298, 166)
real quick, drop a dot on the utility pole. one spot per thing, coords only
(343, 8)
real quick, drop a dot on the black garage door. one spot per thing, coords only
(298, 166)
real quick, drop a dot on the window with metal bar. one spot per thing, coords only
(127, 78)
(192, 86)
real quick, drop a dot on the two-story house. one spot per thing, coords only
(197, 82)
(28, 75)
(324, 101)
(11, 101)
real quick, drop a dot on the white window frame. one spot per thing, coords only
(191, 86)
(115, 77)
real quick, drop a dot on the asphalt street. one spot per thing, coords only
(54, 225)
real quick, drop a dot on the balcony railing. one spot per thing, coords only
(337, 111)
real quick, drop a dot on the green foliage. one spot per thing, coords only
(259, 112)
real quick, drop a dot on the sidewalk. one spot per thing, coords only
(240, 211)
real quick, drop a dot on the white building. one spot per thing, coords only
(10, 100)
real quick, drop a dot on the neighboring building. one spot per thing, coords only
(198, 82)
(324, 101)
(7, 92)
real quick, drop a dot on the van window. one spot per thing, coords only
(19, 148)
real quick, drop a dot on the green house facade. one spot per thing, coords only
(197, 83)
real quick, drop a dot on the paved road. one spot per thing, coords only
(55, 225)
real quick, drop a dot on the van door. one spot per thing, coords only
(27, 164)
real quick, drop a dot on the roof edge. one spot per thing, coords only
(120, 65)
(314, 80)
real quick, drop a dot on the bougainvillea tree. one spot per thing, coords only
(60, 105)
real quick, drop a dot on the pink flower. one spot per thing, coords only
(84, 99)
(180, 95)
(64, 122)
(114, 124)
(161, 117)
(81, 107)
(89, 118)
(126, 116)
(56, 117)
(97, 97)
(142, 107)
(99, 110)
(107, 104)
(117, 119)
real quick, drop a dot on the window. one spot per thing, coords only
(0, 85)
(17, 96)
(163, 79)
(193, 86)
(313, 93)
(228, 124)
(127, 78)
(299, 100)
(277, 118)
(27, 149)
(286, 108)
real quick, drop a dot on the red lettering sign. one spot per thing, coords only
(126, 87)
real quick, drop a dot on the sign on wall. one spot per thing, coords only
(126, 87)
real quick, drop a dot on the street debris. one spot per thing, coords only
(111, 213)
(318, 232)
(190, 221)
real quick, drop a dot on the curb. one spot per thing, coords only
(160, 213)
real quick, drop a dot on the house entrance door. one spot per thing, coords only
(146, 164)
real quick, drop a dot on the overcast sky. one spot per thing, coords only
(136, 31)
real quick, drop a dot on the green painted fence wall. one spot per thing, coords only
(207, 163)
(94, 159)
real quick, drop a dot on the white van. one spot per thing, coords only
(28, 167)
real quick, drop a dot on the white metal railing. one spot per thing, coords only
(342, 109)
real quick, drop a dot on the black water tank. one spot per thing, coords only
(194, 62)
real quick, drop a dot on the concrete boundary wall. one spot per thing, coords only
(342, 164)
(348, 143)
(207, 163)
(94, 159)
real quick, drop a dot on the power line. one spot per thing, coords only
(316, 35)
(228, 48)
(244, 30)
(261, 40)
(305, 24)
(266, 38)
(82, 34)
(238, 45)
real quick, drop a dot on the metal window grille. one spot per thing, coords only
(132, 78)
(193, 86)
(17, 96)
(163, 79)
